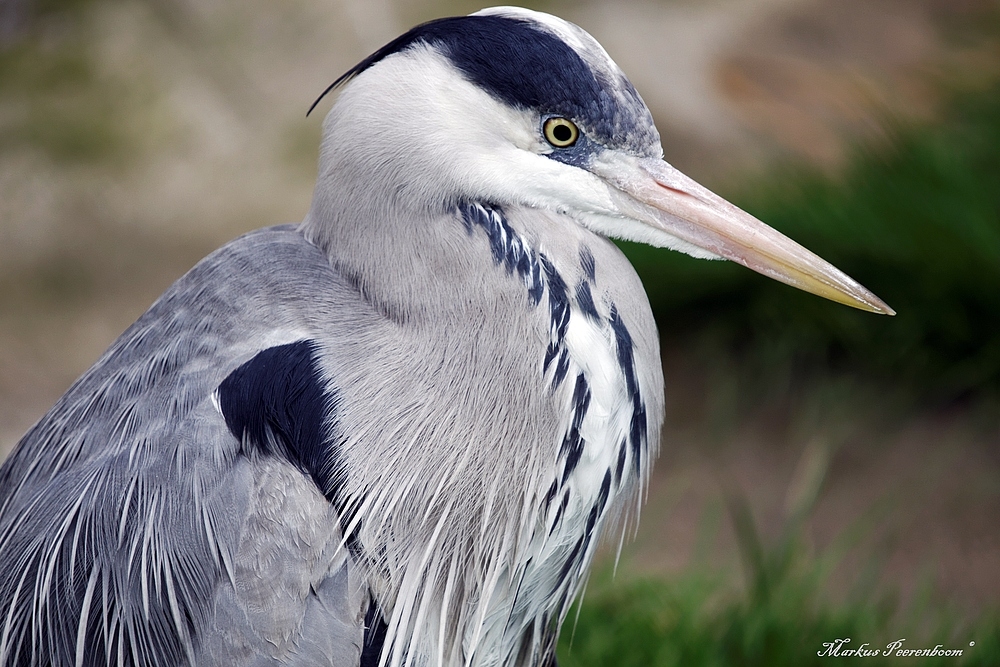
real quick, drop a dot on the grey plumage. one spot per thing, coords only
(139, 459)
(393, 434)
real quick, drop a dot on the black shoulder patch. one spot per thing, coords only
(279, 403)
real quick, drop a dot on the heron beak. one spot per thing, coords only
(663, 198)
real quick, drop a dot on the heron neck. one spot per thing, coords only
(413, 264)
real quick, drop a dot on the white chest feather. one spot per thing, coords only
(601, 449)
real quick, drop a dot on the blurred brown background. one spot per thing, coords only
(137, 136)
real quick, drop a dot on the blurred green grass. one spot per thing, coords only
(917, 221)
(783, 614)
(694, 621)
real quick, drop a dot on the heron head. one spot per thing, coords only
(519, 108)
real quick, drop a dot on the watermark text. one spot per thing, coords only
(839, 648)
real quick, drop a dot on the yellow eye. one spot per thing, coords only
(560, 132)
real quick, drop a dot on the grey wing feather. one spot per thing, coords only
(131, 519)
(295, 596)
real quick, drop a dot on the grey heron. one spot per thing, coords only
(394, 433)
